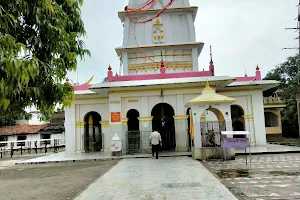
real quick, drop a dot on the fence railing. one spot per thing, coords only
(30, 145)
(136, 141)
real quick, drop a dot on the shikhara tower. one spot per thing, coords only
(169, 37)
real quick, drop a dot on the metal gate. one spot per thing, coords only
(93, 142)
(211, 133)
(134, 141)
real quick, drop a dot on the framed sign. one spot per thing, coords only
(115, 117)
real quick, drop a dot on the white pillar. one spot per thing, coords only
(70, 128)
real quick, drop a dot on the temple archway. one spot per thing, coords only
(163, 122)
(238, 120)
(92, 132)
(211, 124)
(133, 123)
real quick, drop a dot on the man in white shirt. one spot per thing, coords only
(155, 140)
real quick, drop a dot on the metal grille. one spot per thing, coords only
(93, 142)
(211, 133)
(134, 141)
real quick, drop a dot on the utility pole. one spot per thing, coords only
(298, 73)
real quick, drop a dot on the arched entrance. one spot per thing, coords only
(133, 123)
(163, 122)
(92, 132)
(238, 120)
(133, 131)
(212, 123)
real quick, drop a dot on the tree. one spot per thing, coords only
(287, 74)
(39, 42)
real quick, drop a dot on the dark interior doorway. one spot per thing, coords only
(238, 120)
(188, 129)
(163, 122)
(133, 122)
(133, 131)
(92, 132)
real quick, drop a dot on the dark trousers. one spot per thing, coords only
(155, 149)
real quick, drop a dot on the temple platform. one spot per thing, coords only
(269, 149)
(96, 156)
(81, 157)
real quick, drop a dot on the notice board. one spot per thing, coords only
(115, 117)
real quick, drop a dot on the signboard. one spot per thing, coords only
(235, 142)
(115, 117)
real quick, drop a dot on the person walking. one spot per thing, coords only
(155, 141)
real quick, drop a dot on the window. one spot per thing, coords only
(22, 137)
(45, 136)
(3, 139)
(271, 120)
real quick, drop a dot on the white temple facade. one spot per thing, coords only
(161, 88)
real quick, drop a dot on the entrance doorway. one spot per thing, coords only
(133, 131)
(92, 132)
(238, 120)
(163, 122)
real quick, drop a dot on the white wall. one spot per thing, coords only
(144, 101)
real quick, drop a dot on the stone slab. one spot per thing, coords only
(164, 178)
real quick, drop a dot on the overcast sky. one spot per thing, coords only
(243, 33)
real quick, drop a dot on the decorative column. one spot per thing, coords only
(250, 128)
(115, 118)
(181, 133)
(146, 129)
(105, 134)
(124, 131)
(197, 112)
(70, 129)
(80, 136)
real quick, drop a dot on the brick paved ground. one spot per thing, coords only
(274, 176)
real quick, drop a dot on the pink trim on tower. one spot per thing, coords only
(250, 78)
(82, 87)
(161, 75)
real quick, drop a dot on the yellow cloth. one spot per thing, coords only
(191, 124)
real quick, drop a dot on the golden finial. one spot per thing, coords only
(207, 87)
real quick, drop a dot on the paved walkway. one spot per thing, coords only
(67, 157)
(270, 148)
(179, 178)
(272, 176)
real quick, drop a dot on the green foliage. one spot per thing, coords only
(287, 74)
(39, 42)
(10, 119)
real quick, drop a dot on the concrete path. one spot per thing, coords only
(270, 148)
(71, 157)
(166, 178)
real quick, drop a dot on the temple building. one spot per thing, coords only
(162, 87)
